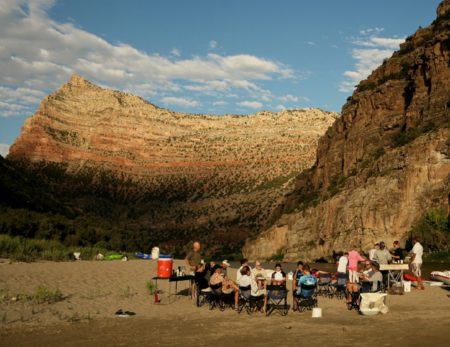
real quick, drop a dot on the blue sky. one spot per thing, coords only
(199, 56)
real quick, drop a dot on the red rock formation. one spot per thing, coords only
(384, 161)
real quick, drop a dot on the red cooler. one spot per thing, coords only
(165, 263)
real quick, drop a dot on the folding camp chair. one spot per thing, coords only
(305, 298)
(340, 286)
(277, 299)
(324, 285)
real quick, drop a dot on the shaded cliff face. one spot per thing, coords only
(175, 176)
(383, 163)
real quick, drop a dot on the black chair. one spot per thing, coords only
(325, 287)
(305, 298)
(219, 299)
(277, 299)
(340, 285)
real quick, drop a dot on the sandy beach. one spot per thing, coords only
(94, 291)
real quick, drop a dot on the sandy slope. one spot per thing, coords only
(95, 290)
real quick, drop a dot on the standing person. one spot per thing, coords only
(342, 264)
(194, 258)
(397, 251)
(416, 261)
(353, 258)
(382, 255)
(373, 250)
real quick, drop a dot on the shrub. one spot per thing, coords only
(433, 229)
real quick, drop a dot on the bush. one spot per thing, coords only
(433, 230)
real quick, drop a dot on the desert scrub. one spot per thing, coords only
(44, 295)
(151, 287)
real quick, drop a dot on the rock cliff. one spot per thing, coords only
(217, 178)
(382, 164)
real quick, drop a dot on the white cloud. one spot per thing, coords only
(250, 104)
(4, 149)
(281, 107)
(288, 98)
(369, 53)
(179, 101)
(38, 54)
(212, 44)
(175, 52)
(219, 103)
(311, 43)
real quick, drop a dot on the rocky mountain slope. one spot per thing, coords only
(383, 163)
(170, 175)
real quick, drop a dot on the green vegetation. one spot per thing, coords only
(433, 228)
(22, 249)
(151, 287)
(276, 257)
(44, 295)
(337, 182)
(411, 134)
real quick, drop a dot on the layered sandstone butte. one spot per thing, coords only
(383, 163)
(220, 176)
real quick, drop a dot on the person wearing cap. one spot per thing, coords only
(227, 286)
(382, 255)
(225, 265)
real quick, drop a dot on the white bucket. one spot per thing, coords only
(407, 286)
(316, 312)
(155, 252)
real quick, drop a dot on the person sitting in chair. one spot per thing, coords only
(278, 276)
(227, 286)
(306, 283)
(374, 277)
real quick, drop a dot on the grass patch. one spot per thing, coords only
(151, 287)
(44, 295)
(27, 250)
(411, 134)
(433, 228)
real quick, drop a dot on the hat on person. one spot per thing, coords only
(225, 262)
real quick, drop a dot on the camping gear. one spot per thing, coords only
(372, 304)
(155, 253)
(441, 276)
(316, 312)
(114, 256)
(407, 286)
(143, 256)
(165, 263)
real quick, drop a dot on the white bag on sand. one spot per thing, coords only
(373, 303)
(77, 255)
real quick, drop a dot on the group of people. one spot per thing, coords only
(250, 280)
(354, 266)
(349, 263)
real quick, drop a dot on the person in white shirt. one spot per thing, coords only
(373, 250)
(416, 261)
(244, 262)
(342, 263)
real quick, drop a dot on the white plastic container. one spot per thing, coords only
(316, 312)
(407, 286)
(155, 252)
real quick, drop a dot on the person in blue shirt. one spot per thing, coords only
(306, 283)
